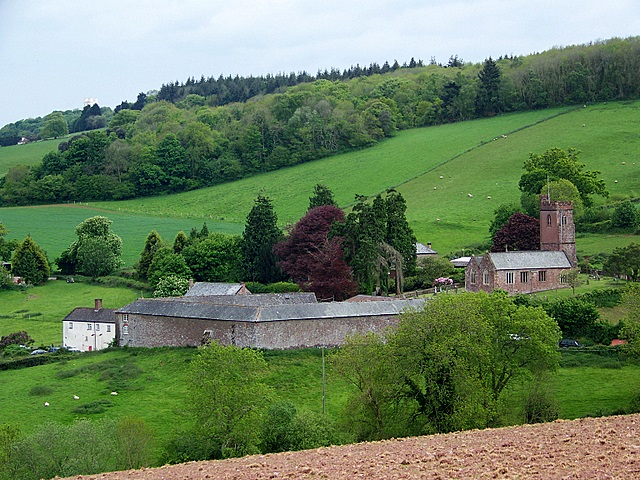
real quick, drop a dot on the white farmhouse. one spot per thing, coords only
(88, 329)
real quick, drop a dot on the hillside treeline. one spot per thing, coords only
(173, 142)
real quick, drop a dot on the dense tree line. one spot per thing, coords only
(193, 137)
(56, 124)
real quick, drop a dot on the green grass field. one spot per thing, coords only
(53, 227)
(439, 210)
(152, 384)
(40, 310)
(29, 154)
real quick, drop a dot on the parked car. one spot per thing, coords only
(567, 342)
(38, 351)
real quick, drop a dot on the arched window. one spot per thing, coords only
(548, 220)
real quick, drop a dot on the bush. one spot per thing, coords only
(97, 406)
(17, 338)
(539, 405)
(279, 287)
(576, 317)
(40, 390)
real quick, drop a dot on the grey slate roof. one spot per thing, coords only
(86, 314)
(239, 313)
(257, 299)
(424, 250)
(527, 260)
(213, 288)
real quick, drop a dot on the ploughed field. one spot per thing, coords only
(594, 448)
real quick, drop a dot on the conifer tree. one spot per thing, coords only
(260, 234)
(30, 262)
(151, 245)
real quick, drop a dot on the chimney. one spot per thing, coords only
(98, 304)
(429, 245)
(190, 282)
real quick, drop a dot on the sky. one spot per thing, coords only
(54, 54)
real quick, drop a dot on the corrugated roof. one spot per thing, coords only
(213, 288)
(239, 313)
(529, 260)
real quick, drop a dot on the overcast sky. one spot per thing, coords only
(55, 53)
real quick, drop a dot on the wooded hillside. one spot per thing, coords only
(187, 136)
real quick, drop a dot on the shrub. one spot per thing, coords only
(97, 406)
(575, 316)
(40, 390)
(539, 405)
(279, 287)
(17, 338)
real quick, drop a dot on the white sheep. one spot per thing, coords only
(46, 404)
(469, 195)
(75, 397)
(441, 177)
(504, 136)
(435, 188)
(488, 197)
(114, 393)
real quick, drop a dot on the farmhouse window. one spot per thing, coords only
(542, 276)
(485, 277)
(524, 277)
(88, 326)
(510, 277)
(70, 325)
(125, 329)
(97, 327)
(108, 328)
(125, 317)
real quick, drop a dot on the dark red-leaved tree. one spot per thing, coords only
(312, 260)
(521, 232)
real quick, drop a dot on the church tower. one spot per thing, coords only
(557, 230)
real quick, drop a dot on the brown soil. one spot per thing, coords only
(593, 448)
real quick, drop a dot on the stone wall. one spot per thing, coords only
(156, 331)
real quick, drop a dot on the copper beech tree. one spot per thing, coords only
(314, 261)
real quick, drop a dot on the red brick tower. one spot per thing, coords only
(557, 230)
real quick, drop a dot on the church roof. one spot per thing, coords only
(529, 260)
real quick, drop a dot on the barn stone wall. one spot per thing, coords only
(157, 331)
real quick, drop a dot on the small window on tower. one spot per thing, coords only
(548, 220)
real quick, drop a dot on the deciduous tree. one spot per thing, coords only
(555, 164)
(625, 261)
(227, 395)
(312, 260)
(521, 232)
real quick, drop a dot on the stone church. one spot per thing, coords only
(535, 270)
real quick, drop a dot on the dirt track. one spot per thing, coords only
(591, 448)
